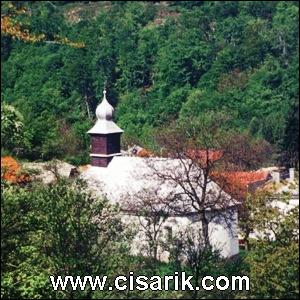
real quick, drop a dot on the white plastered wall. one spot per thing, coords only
(222, 237)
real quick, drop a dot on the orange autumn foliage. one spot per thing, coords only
(11, 171)
(144, 153)
(13, 28)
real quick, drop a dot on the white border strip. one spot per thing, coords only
(105, 155)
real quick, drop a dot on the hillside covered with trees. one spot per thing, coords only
(161, 61)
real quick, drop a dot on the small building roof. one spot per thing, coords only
(204, 156)
(237, 183)
(105, 123)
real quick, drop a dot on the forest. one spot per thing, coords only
(170, 68)
(161, 61)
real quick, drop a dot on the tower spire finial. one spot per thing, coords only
(104, 89)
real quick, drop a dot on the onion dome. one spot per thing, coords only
(104, 110)
(105, 123)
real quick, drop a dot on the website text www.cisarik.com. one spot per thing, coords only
(177, 282)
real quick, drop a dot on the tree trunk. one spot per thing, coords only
(246, 239)
(205, 231)
(87, 106)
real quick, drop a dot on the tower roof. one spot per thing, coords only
(105, 123)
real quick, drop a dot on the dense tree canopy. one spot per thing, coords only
(162, 61)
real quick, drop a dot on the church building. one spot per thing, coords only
(124, 179)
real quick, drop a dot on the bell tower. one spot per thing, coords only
(105, 135)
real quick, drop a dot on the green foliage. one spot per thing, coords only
(274, 257)
(14, 138)
(278, 263)
(59, 229)
(161, 61)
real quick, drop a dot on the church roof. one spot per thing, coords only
(105, 123)
(129, 177)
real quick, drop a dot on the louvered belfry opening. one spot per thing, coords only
(105, 135)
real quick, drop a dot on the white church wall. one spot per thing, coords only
(222, 238)
(224, 235)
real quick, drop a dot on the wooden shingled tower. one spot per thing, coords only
(105, 135)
